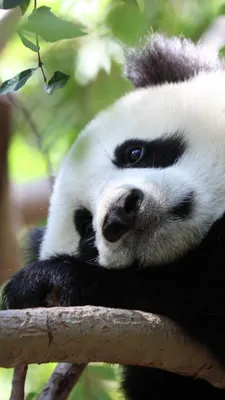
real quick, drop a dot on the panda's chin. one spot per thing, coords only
(109, 260)
(128, 251)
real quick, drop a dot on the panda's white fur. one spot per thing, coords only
(88, 178)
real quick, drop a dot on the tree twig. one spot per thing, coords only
(95, 334)
(62, 381)
(18, 384)
(40, 63)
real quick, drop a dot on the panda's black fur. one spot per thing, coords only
(190, 290)
(160, 59)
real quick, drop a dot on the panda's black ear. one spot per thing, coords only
(163, 59)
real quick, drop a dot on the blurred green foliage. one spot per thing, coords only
(94, 63)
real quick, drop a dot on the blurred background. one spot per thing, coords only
(45, 126)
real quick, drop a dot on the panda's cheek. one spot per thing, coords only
(105, 255)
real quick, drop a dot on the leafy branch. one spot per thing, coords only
(41, 23)
(40, 63)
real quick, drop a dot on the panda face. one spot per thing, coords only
(144, 181)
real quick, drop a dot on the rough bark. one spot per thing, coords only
(18, 383)
(62, 381)
(91, 334)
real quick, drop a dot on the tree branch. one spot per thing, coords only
(62, 381)
(18, 383)
(92, 334)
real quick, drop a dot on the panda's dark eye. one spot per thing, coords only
(133, 155)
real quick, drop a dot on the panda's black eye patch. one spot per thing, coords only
(83, 221)
(157, 153)
(83, 224)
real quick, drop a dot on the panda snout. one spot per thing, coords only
(140, 212)
(121, 216)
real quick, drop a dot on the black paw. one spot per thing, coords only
(46, 283)
(27, 288)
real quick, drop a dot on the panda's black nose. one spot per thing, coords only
(121, 216)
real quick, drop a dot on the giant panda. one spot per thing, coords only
(137, 214)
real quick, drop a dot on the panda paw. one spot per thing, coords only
(48, 283)
(26, 289)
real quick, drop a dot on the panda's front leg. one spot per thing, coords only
(78, 283)
(31, 286)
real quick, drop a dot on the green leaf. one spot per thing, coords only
(31, 396)
(51, 28)
(127, 23)
(24, 6)
(58, 81)
(18, 81)
(27, 43)
(7, 4)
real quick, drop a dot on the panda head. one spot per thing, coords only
(145, 180)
